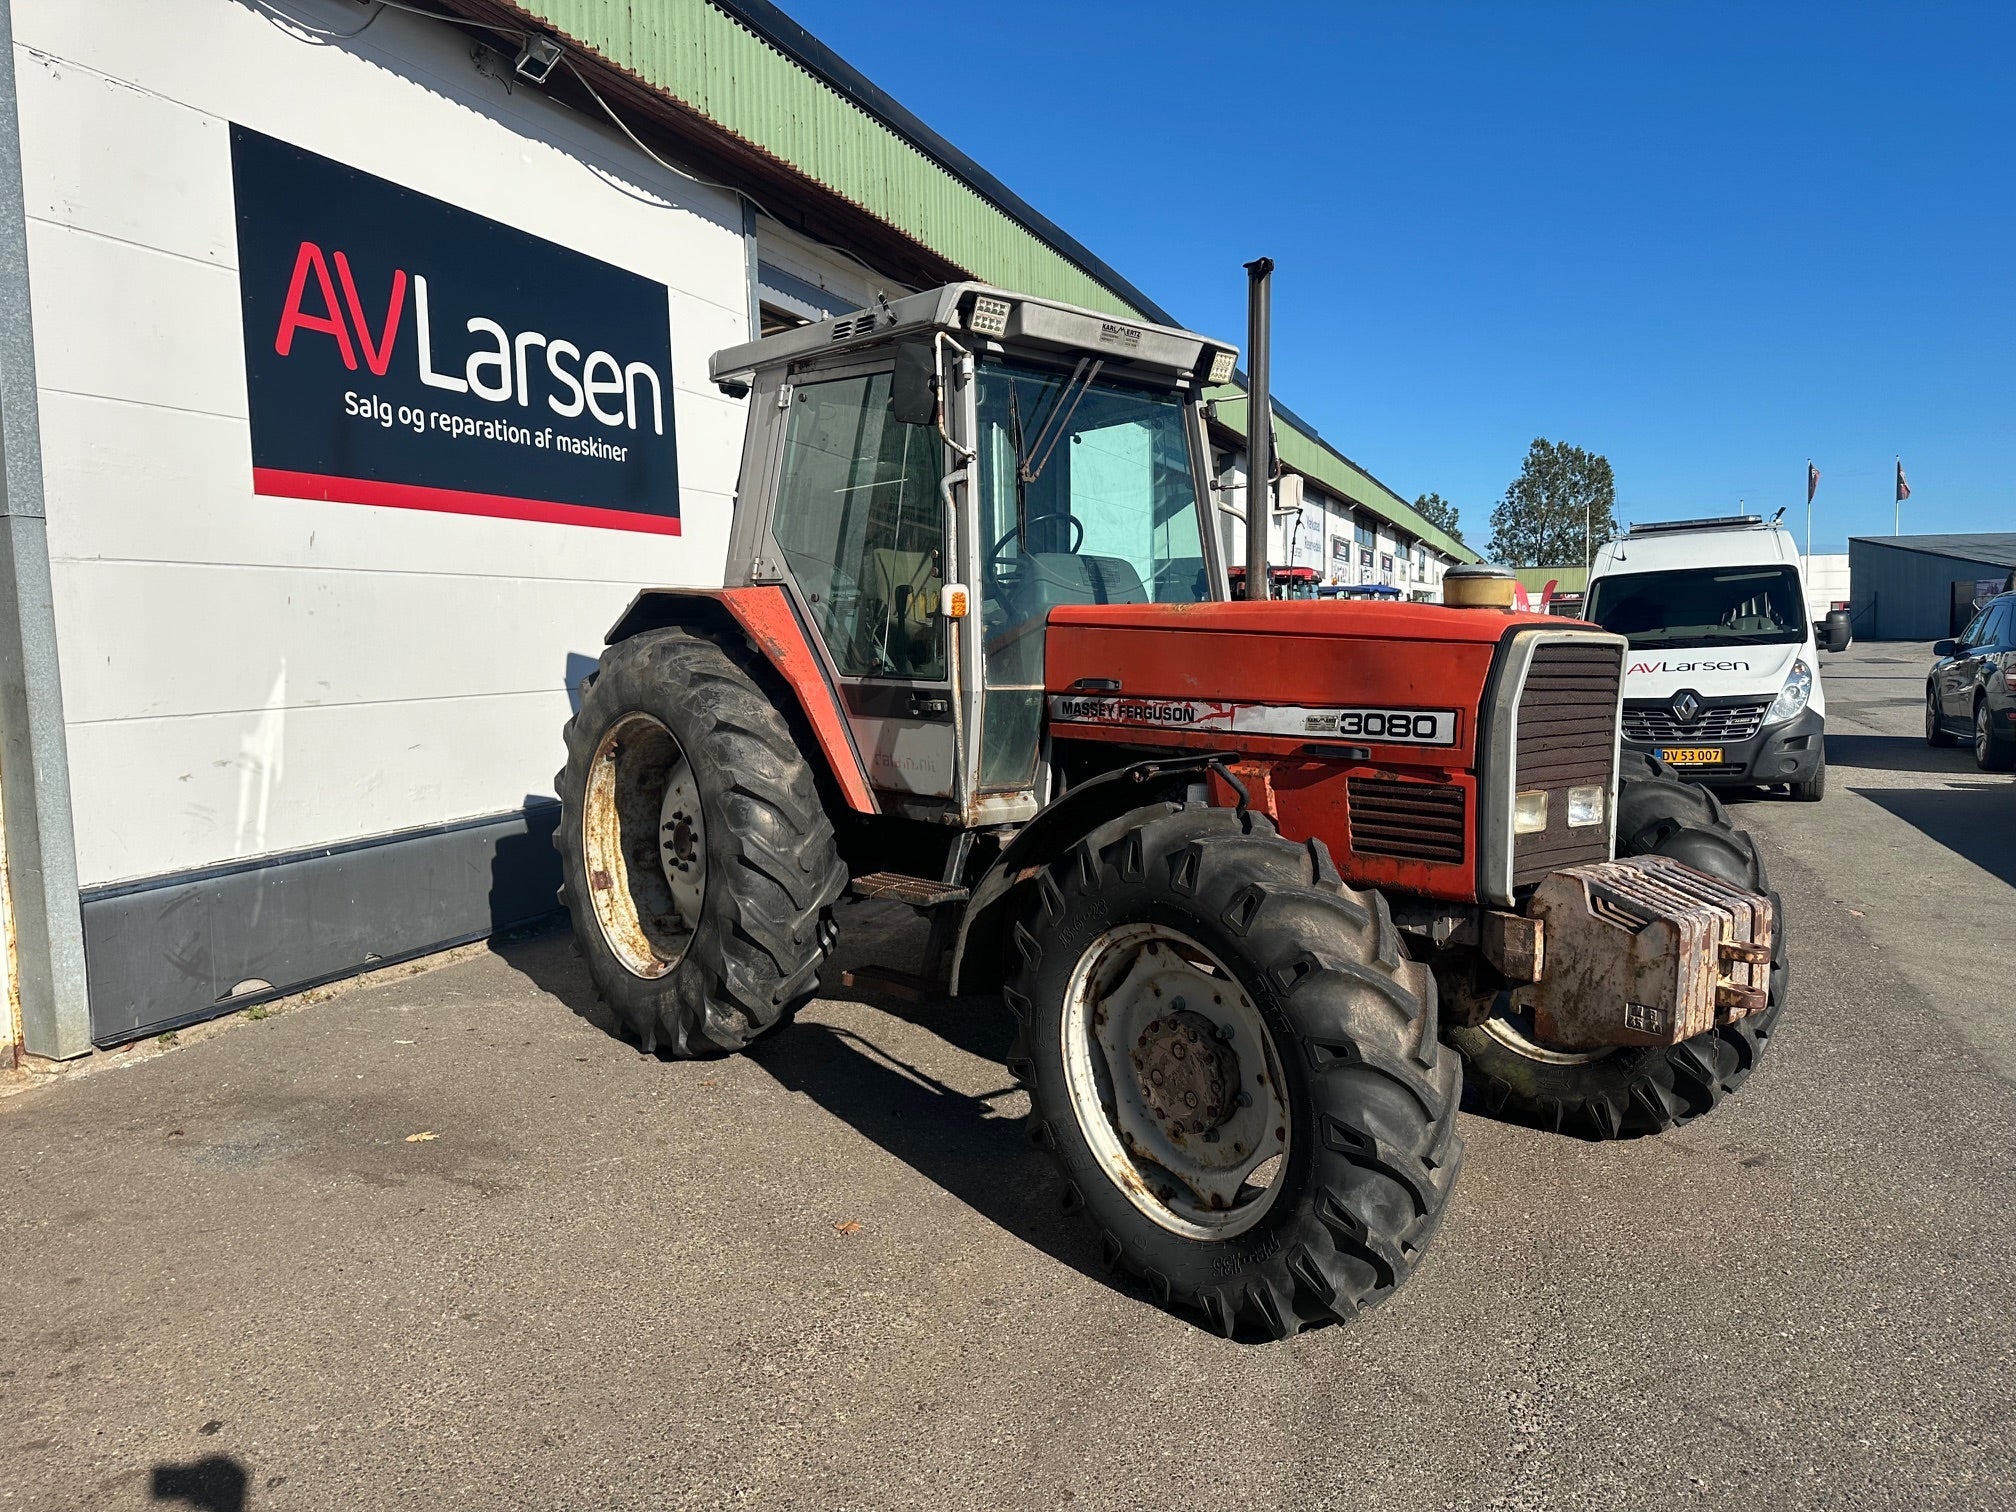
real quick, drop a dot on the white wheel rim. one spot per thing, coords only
(1175, 1082)
(643, 842)
(1507, 1032)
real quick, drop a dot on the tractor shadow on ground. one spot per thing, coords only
(1975, 820)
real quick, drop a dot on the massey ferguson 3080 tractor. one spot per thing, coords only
(1257, 880)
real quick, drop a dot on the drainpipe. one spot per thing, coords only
(47, 931)
(1259, 425)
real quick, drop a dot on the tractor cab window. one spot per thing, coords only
(1086, 497)
(861, 525)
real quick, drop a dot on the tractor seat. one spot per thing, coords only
(1045, 579)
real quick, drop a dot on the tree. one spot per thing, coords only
(1439, 512)
(1562, 498)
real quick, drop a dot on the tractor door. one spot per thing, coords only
(859, 527)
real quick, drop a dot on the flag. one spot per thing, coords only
(1812, 481)
(1903, 488)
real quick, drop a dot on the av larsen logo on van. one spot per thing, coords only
(1655, 668)
(403, 351)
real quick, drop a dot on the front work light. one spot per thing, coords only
(1529, 813)
(990, 315)
(1585, 807)
(1222, 363)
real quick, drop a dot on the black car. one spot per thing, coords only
(1971, 693)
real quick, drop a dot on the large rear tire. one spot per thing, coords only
(1619, 1094)
(696, 860)
(1236, 1067)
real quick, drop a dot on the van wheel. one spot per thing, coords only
(1814, 788)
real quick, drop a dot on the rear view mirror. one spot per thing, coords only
(913, 395)
(1947, 648)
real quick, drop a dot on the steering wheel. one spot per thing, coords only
(1077, 540)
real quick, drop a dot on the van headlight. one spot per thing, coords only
(1793, 696)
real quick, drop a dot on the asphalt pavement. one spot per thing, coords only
(442, 1241)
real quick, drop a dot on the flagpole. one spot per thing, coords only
(1809, 510)
(1897, 503)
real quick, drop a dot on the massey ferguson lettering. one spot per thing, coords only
(1373, 726)
(406, 352)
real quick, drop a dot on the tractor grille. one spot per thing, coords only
(1416, 821)
(1567, 738)
(1651, 721)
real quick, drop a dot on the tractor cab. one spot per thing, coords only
(929, 479)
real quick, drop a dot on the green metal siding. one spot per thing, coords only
(710, 62)
(713, 64)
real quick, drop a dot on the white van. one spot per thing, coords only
(1723, 675)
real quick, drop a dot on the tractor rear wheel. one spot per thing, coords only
(1621, 1093)
(1236, 1066)
(695, 857)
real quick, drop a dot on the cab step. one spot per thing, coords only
(918, 892)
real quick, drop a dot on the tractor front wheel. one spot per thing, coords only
(1615, 1094)
(1236, 1067)
(695, 858)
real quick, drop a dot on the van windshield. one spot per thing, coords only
(1702, 606)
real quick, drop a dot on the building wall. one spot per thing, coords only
(1828, 581)
(248, 676)
(1900, 594)
(1308, 539)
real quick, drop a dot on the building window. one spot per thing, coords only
(776, 321)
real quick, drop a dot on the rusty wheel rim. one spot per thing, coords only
(1175, 1081)
(643, 843)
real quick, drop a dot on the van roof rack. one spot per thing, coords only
(1719, 522)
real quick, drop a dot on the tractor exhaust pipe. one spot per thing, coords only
(1259, 425)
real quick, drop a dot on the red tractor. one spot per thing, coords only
(1256, 880)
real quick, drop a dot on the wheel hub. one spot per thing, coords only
(1189, 1076)
(1175, 1081)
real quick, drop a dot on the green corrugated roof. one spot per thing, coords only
(718, 65)
(1564, 579)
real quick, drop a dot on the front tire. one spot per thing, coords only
(1814, 788)
(1235, 1066)
(1624, 1093)
(696, 860)
(1935, 729)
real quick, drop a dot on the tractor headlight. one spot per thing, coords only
(1529, 813)
(1585, 807)
(1793, 696)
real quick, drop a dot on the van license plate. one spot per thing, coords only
(1691, 755)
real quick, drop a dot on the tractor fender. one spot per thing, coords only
(768, 622)
(983, 929)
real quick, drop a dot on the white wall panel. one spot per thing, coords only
(248, 674)
(282, 778)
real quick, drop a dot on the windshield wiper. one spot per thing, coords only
(1032, 457)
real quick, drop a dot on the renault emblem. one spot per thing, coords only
(1685, 707)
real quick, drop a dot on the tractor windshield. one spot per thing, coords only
(1086, 497)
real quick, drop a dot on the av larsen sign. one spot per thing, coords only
(401, 351)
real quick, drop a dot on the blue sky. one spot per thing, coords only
(1707, 241)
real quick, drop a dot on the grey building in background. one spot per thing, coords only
(1919, 587)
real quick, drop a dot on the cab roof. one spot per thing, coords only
(1122, 344)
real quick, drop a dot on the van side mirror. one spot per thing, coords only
(913, 394)
(1835, 632)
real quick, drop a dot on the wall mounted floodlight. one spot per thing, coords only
(537, 59)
